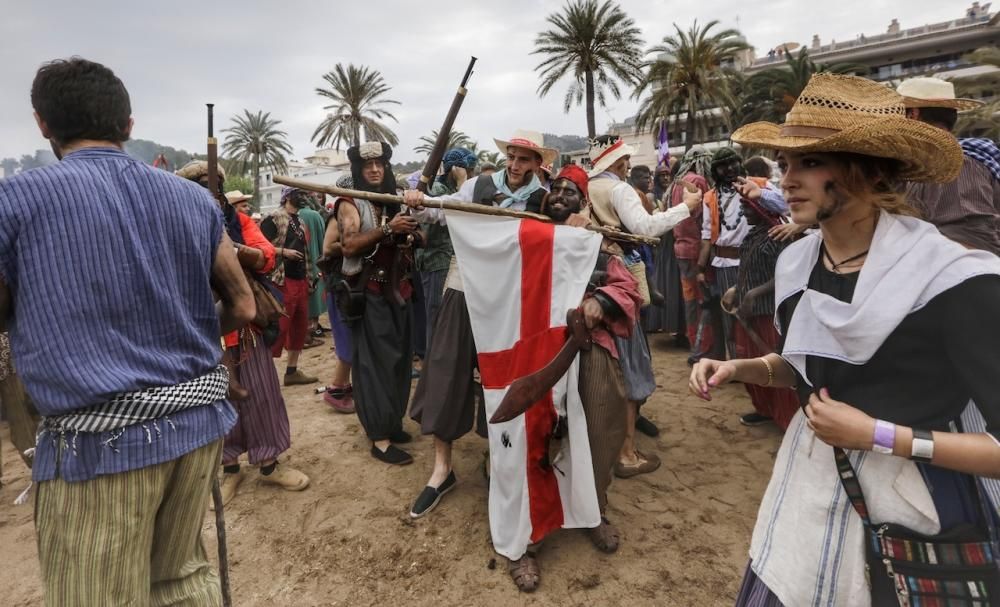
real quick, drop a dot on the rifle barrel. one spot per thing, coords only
(437, 152)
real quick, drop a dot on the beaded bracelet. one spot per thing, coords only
(770, 372)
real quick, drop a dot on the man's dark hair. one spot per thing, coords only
(638, 170)
(757, 167)
(945, 117)
(79, 99)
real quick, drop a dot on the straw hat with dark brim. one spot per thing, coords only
(934, 92)
(838, 113)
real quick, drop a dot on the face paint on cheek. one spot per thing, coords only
(837, 202)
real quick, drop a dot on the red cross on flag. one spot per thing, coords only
(520, 277)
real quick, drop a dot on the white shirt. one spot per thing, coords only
(729, 213)
(464, 194)
(637, 220)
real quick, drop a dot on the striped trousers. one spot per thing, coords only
(132, 538)
(602, 392)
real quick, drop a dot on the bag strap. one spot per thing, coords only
(849, 480)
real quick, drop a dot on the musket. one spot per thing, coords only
(479, 209)
(437, 152)
(220, 519)
(213, 154)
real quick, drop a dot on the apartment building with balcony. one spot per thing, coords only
(933, 49)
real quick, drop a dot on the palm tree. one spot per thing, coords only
(456, 139)
(981, 122)
(357, 93)
(255, 141)
(495, 158)
(769, 94)
(690, 75)
(595, 46)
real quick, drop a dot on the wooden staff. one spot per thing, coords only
(220, 519)
(480, 209)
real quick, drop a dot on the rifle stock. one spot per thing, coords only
(437, 152)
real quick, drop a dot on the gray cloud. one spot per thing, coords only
(271, 56)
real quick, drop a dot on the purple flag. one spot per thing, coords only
(663, 153)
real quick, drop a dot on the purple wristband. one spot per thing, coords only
(885, 437)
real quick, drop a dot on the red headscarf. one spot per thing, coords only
(577, 175)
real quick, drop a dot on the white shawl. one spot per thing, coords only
(807, 543)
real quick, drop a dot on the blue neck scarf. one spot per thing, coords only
(521, 195)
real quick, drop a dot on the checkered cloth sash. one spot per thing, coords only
(128, 408)
(985, 151)
(926, 573)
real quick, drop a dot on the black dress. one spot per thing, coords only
(929, 367)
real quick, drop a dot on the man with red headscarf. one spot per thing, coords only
(610, 307)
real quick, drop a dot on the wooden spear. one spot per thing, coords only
(455, 206)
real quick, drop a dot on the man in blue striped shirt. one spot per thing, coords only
(108, 268)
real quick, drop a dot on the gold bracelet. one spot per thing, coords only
(770, 372)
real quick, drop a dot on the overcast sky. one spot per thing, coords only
(175, 56)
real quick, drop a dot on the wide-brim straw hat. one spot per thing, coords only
(838, 113)
(603, 156)
(237, 196)
(934, 92)
(529, 140)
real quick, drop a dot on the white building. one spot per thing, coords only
(270, 192)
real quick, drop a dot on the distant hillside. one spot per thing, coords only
(565, 143)
(147, 151)
(140, 149)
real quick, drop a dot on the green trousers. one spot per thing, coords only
(132, 538)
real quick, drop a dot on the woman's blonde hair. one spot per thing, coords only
(875, 180)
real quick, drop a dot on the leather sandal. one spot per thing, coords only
(605, 536)
(525, 572)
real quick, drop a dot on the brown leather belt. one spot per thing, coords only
(726, 252)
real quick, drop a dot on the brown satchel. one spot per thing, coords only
(269, 309)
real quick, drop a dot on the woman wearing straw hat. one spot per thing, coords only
(862, 308)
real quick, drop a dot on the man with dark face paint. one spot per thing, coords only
(285, 230)
(724, 228)
(610, 307)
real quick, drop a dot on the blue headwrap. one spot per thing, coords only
(458, 157)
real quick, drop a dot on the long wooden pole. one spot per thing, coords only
(480, 209)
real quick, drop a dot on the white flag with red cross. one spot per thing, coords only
(520, 278)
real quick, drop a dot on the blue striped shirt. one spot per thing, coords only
(108, 261)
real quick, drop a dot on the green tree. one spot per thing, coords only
(456, 139)
(595, 46)
(981, 122)
(690, 75)
(769, 94)
(238, 182)
(255, 141)
(358, 101)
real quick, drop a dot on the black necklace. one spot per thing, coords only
(835, 265)
(725, 207)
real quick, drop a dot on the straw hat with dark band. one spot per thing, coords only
(934, 92)
(837, 113)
